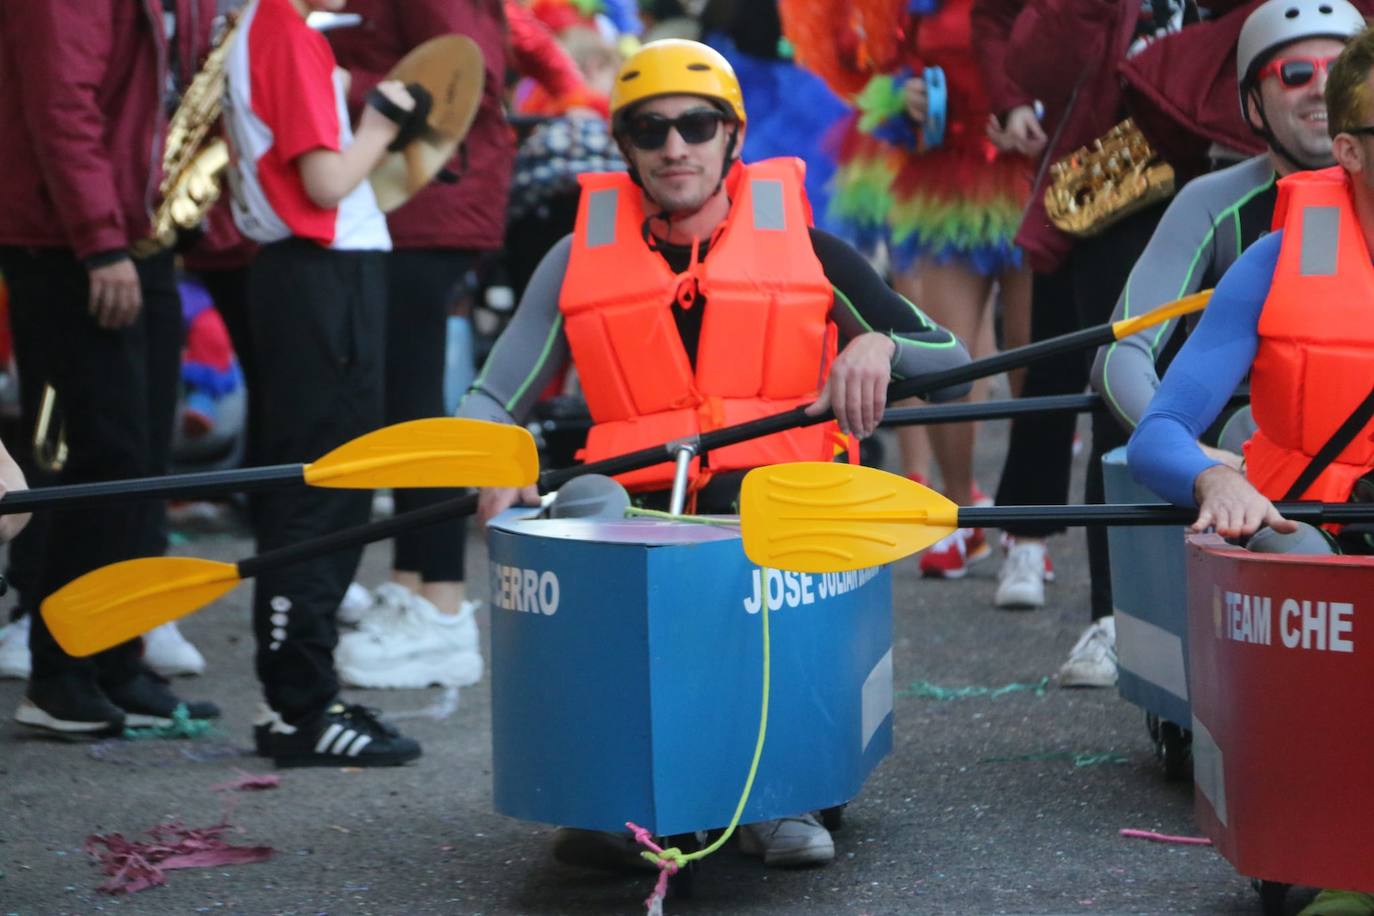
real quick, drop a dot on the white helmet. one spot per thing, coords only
(1280, 22)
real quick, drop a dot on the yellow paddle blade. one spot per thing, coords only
(117, 602)
(1179, 307)
(437, 452)
(819, 517)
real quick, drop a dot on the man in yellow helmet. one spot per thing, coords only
(694, 294)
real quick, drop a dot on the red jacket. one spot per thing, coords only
(81, 117)
(472, 213)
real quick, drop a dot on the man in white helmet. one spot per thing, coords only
(1281, 55)
(1293, 314)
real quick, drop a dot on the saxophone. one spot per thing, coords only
(1106, 181)
(192, 160)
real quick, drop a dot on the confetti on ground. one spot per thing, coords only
(138, 865)
(936, 692)
(247, 782)
(181, 726)
(163, 753)
(1079, 759)
(1164, 837)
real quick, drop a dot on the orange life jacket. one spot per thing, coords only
(766, 340)
(1315, 361)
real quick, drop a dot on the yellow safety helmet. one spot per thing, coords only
(675, 66)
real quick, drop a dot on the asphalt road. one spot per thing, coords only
(979, 809)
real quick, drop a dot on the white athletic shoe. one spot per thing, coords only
(1092, 661)
(412, 646)
(357, 601)
(170, 654)
(1021, 581)
(14, 649)
(788, 841)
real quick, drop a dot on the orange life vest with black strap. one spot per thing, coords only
(766, 339)
(1315, 361)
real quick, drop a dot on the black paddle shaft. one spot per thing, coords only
(897, 391)
(648, 457)
(1150, 514)
(186, 486)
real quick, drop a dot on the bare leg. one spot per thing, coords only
(446, 596)
(956, 297)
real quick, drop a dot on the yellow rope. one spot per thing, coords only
(674, 855)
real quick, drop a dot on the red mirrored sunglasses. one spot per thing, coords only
(1295, 72)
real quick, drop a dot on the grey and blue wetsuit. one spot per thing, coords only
(1203, 232)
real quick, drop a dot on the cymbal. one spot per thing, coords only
(450, 67)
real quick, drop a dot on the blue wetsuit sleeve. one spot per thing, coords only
(1163, 454)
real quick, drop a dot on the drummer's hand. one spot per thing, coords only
(1227, 502)
(914, 99)
(374, 121)
(856, 389)
(492, 501)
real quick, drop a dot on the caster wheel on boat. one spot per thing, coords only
(1272, 896)
(1175, 751)
(832, 819)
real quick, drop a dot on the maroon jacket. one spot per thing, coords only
(472, 213)
(1161, 90)
(1082, 91)
(81, 117)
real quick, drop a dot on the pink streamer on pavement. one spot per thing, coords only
(135, 866)
(1165, 838)
(248, 782)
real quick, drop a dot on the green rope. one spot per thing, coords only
(718, 521)
(1079, 760)
(673, 854)
(936, 692)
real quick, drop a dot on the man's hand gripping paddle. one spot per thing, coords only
(819, 517)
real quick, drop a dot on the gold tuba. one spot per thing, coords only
(1106, 181)
(191, 163)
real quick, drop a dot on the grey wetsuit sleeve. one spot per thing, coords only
(1198, 238)
(864, 304)
(529, 353)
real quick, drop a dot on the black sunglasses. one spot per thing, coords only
(650, 131)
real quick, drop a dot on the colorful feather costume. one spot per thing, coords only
(958, 201)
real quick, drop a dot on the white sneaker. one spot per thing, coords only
(170, 654)
(788, 841)
(413, 646)
(357, 601)
(1092, 661)
(1021, 581)
(14, 649)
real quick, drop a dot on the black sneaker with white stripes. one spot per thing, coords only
(343, 735)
